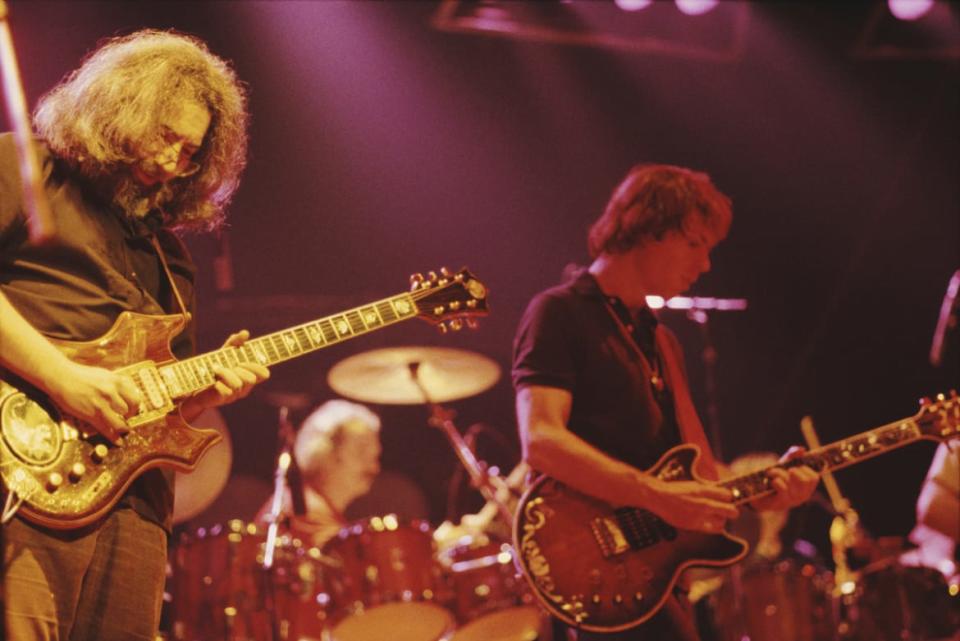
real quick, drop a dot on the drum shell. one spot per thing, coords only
(788, 600)
(380, 563)
(220, 592)
(897, 602)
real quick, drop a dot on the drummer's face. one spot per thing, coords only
(358, 457)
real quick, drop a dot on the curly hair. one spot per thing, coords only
(94, 118)
(653, 200)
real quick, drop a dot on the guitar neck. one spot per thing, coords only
(194, 374)
(834, 456)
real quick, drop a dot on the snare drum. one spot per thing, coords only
(221, 592)
(386, 583)
(491, 602)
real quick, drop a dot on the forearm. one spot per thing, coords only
(571, 460)
(939, 508)
(25, 351)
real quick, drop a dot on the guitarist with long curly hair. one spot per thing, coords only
(146, 138)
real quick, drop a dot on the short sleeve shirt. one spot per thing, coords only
(98, 265)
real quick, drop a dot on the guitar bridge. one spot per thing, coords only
(609, 536)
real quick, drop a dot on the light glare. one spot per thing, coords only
(909, 9)
(696, 7)
(633, 5)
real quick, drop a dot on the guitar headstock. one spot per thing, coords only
(448, 300)
(940, 419)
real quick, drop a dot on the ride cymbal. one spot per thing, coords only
(386, 375)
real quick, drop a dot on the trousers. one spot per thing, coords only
(100, 583)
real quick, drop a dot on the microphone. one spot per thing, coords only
(947, 319)
(294, 479)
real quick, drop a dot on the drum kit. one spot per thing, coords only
(380, 579)
(384, 579)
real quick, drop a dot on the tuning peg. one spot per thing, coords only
(438, 310)
(472, 323)
(941, 397)
(416, 281)
(442, 328)
(432, 276)
(456, 324)
(925, 401)
(445, 272)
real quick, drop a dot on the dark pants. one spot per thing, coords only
(100, 583)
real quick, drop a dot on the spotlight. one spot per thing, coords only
(909, 9)
(696, 7)
(633, 5)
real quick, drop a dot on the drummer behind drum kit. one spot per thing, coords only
(386, 580)
(380, 579)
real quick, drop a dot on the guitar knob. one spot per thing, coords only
(99, 453)
(54, 481)
(595, 599)
(77, 471)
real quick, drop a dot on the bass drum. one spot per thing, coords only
(220, 591)
(782, 601)
(491, 601)
(898, 602)
(385, 583)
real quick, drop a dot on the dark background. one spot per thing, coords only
(382, 146)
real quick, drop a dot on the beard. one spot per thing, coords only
(134, 198)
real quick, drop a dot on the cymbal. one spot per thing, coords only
(384, 375)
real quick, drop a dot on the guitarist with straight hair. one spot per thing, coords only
(601, 391)
(147, 137)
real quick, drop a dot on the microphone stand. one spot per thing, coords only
(491, 486)
(284, 461)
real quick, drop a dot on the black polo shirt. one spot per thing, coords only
(568, 339)
(98, 265)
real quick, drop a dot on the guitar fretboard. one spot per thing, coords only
(197, 373)
(830, 457)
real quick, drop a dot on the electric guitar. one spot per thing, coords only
(604, 568)
(68, 475)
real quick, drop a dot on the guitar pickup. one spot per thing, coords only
(609, 536)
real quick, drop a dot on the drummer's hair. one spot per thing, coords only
(652, 200)
(322, 432)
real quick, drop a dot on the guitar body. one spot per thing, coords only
(602, 569)
(52, 460)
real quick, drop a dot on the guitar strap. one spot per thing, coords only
(166, 269)
(691, 429)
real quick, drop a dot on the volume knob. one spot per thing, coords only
(54, 481)
(77, 470)
(99, 453)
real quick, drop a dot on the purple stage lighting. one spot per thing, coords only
(633, 5)
(909, 9)
(696, 7)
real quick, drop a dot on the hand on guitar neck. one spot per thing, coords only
(232, 384)
(792, 486)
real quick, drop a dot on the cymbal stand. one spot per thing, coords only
(491, 486)
(845, 527)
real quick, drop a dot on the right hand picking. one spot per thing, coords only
(99, 396)
(692, 505)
